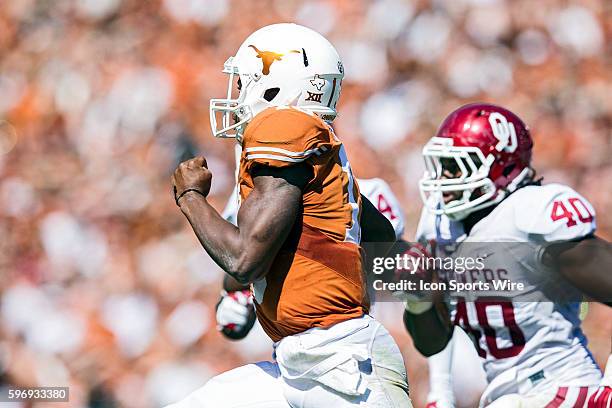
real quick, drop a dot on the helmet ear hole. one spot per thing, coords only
(508, 169)
(270, 94)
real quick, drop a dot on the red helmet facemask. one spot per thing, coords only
(487, 149)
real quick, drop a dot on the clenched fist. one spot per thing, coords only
(191, 175)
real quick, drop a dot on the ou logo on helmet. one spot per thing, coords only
(503, 131)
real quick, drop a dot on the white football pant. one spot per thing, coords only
(456, 376)
(353, 363)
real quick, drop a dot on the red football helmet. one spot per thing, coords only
(480, 154)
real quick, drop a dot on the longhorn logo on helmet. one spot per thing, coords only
(268, 58)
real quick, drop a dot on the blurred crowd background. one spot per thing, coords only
(104, 287)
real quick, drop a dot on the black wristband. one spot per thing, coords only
(176, 199)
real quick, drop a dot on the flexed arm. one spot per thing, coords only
(265, 218)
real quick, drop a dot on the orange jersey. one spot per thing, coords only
(316, 279)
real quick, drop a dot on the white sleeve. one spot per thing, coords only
(379, 193)
(426, 229)
(439, 228)
(555, 213)
(230, 212)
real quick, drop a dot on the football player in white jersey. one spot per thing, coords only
(480, 187)
(235, 311)
(458, 360)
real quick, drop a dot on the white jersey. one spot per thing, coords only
(445, 232)
(376, 190)
(230, 212)
(456, 373)
(527, 346)
(380, 195)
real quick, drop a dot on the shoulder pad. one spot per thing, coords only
(554, 211)
(281, 137)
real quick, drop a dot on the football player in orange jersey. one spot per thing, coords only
(297, 241)
(235, 313)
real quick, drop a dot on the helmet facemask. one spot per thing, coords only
(471, 182)
(234, 113)
(472, 187)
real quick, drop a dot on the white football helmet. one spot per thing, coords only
(279, 65)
